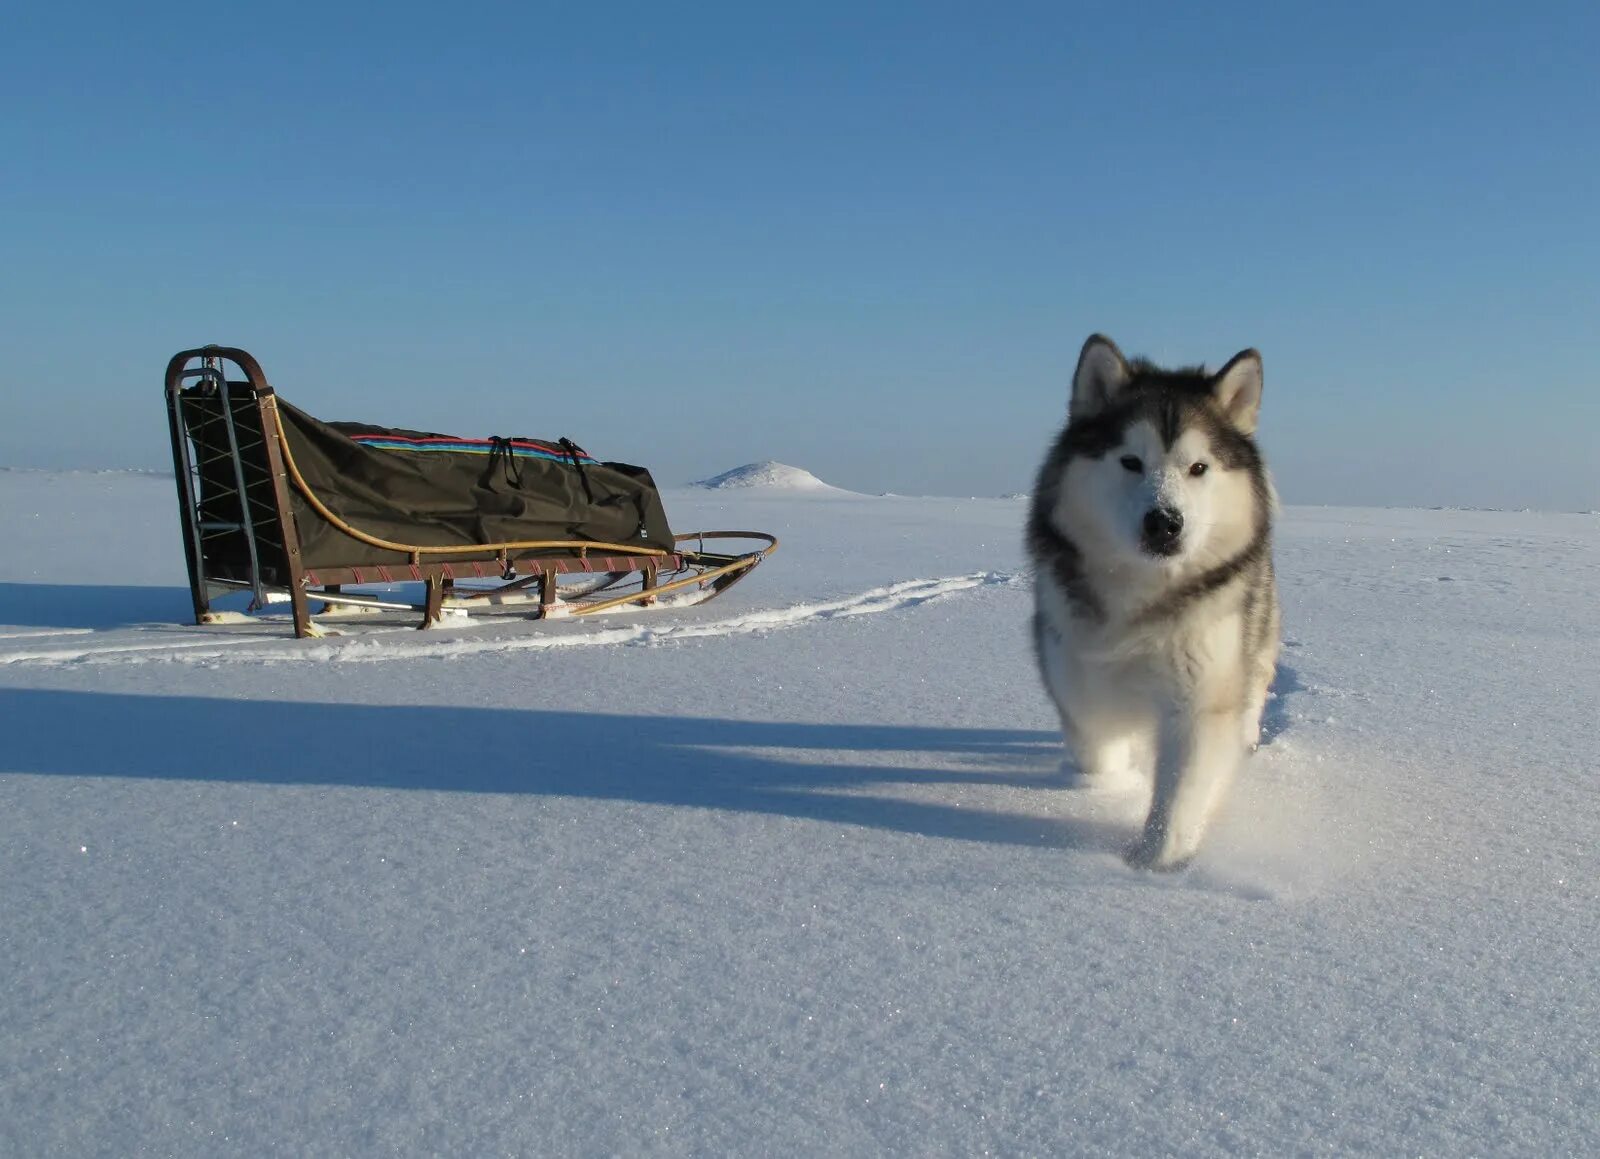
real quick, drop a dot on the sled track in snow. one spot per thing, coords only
(382, 644)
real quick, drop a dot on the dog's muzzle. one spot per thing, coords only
(1163, 530)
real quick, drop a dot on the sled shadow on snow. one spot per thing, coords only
(94, 606)
(840, 773)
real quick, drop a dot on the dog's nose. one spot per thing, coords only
(1162, 526)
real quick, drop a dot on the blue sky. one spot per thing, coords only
(867, 240)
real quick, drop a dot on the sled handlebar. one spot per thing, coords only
(244, 360)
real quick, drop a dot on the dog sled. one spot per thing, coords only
(300, 512)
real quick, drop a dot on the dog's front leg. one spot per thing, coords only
(1199, 755)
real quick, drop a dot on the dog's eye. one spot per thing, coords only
(1198, 469)
(1132, 463)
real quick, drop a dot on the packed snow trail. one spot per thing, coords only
(382, 643)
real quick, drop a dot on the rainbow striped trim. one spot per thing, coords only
(520, 448)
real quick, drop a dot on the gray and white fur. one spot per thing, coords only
(1156, 620)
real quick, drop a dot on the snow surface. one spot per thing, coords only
(790, 873)
(769, 476)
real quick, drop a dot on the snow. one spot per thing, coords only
(791, 872)
(769, 476)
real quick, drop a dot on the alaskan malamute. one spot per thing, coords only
(1156, 614)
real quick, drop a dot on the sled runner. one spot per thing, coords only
(295, 510)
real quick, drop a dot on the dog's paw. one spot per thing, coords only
(1156, 850)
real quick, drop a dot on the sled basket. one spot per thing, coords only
(296, 510)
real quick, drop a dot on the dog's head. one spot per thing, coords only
(1160, 467)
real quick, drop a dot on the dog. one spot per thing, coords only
(1156, 622)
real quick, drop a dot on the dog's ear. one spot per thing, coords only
(1102, 372)
(1237, 389)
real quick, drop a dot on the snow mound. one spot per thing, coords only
(768, 476)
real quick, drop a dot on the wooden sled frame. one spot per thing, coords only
(256, 457)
